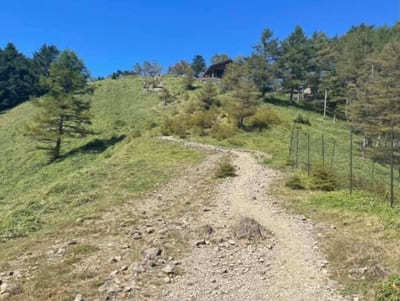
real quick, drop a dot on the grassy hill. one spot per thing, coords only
(122, 161)
(125, 160)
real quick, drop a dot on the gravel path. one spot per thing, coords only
(288, 267)
(177, 244)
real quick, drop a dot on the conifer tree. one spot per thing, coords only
(198, 65)
(207, 95)
(243, 102)
(63, 112)
(294, 62)
(376, 110)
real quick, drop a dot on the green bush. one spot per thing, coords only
(296, 182)
(264, 118)
(174, 126)
(389, 290)
(324, 178)
(302, 120)
(201, 119)
(221, 131)
(225, 169)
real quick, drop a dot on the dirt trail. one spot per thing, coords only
(292, 268)
(177, 244)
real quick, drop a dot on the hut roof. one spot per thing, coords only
(217, 68)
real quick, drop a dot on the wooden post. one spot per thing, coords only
(325, 101)
(291, 144)
(333, 153)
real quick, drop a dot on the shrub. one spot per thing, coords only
(302, 120)
(296, 182)
(201, 119)
(174, 126)
(389, 290)
(221, 131)
(324, 178)
(225, 169)
(264, 118)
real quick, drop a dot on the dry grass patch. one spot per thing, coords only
(358, 233)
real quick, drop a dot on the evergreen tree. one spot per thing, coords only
(17, 79)
(376, 111)
(198, 65)
(235, 72)
(63, 112)
(294, 62)
(243, 102)
(44, 57)
(188, 79)
(180, 68)
(262, 63)
(207, 96)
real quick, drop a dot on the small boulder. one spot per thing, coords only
(168, 269)
(152, 253)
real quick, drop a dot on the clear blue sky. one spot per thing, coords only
(114, 34)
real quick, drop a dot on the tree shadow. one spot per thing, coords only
(96, 146)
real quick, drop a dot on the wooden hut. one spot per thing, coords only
(217, 70)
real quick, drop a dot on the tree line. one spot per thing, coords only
(20, 75)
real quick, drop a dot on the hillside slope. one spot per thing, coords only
(89, 223)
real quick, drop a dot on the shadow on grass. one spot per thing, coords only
(96, 146)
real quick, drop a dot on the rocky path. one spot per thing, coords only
(178, 243)
(287, 267)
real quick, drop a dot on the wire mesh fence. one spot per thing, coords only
(346, 158)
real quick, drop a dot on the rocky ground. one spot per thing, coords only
(188, 241)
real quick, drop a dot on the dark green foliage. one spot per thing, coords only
(301, 119)
(63, 113)
(43, 58)
(198, 65)
(389, 290)
(18, 81)
(296, 182)
(323, 178)
(242, 103)
(295, 61)
(264, 118)
(225, 169)
(262, 63)
(208, 96)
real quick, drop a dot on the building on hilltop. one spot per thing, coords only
(217, 70)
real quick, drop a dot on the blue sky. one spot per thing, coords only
(115, 34)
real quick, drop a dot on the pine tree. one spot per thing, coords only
(198, 65)
(63, 112)
(207, 95)
(262, 62)
(17, 79)
(376, 111)
(243, 102)
(188, 79)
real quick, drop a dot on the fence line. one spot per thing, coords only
(305, 152)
